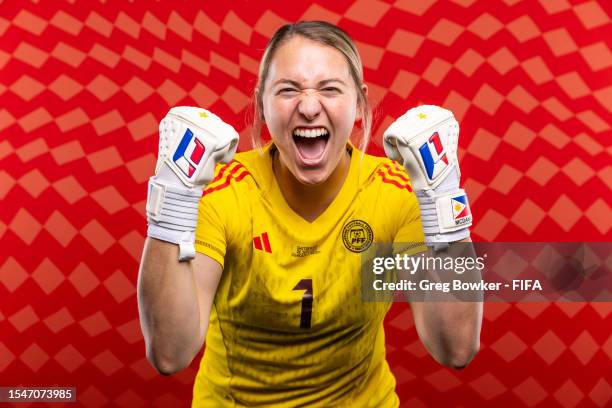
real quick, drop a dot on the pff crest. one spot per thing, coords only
(357, 236)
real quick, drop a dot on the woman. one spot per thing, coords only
(275, 286)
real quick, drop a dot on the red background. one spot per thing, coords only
(83, 85)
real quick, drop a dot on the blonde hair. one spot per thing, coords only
(326, 34)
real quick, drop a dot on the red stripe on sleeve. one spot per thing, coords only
(384, 178)
(227, 180)
(398, 175)
(241, 175)
(221, 173)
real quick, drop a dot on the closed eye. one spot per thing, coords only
(331, 89)
(286, 90)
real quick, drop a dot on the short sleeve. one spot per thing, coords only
(409, 238)
(210, 234)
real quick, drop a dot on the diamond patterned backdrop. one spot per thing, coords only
(83, 84)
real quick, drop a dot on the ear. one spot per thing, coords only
(364, 89)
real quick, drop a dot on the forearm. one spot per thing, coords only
(168, 307)
(451, 331)
(450, 328)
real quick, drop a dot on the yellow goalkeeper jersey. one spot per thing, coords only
(288, 326)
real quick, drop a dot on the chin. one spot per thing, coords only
(311, 177)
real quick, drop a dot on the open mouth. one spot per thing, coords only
(310, 143)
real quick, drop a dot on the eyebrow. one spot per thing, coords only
(297, 84)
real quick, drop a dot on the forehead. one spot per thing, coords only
(302, 60)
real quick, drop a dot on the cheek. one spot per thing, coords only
(277, 116)
(344, 113)
(277, 112)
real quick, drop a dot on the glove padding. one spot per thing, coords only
(425, 141)
(192, 141)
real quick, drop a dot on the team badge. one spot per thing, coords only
(433, 155)
(461, 210)
(357, 236)
(189, 153)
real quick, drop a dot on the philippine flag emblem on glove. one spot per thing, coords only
(188, 153)
(461, 210)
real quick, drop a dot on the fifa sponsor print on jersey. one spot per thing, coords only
(189, 153)
(433, 155)
(302, 251)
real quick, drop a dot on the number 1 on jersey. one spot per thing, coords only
(306, 315)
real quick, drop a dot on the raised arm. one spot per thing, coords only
(176, 286)
(425, 140)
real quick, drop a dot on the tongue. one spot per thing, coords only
(310, 147)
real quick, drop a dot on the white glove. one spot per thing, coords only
(191, 142)
(425, 141)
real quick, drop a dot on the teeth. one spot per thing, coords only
(310, 132)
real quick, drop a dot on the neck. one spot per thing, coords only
(310, 201)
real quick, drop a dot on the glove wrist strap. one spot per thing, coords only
(172, 214)
(445, 214)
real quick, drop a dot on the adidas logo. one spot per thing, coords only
(263, 239)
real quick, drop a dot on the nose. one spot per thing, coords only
(309, 105)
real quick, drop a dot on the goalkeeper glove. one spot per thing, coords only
(191, 142)
(425, 141)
